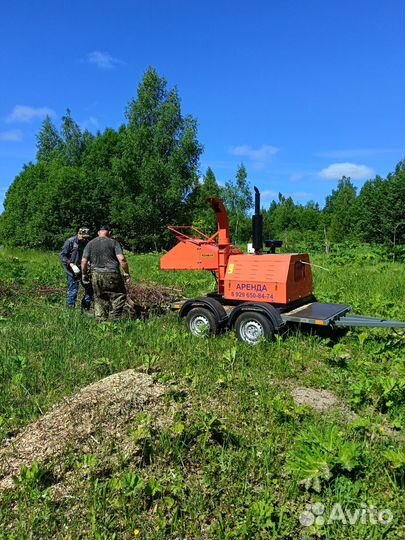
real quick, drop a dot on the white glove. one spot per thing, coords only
(76, 269)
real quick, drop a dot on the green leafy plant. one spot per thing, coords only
(262, 514)
(320, 454)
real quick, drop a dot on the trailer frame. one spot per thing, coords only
(311, 313)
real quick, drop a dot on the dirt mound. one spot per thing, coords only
(320, 400)
(105, 407)
(148, 297)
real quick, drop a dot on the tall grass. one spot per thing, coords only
(239, 459)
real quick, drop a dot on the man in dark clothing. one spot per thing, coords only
(71, 257)
(106, 258)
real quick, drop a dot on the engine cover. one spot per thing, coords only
(276, 278)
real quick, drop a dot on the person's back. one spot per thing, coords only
(106, 257)
(102, 253)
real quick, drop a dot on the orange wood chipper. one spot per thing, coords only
(258, 294)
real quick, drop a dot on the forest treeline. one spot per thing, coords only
(145, 175)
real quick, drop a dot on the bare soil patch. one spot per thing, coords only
(106, 407)
(320, 400)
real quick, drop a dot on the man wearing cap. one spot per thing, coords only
(71, 257)
(106, 257)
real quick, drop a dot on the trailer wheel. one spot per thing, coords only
(252, 327)
(201, 322)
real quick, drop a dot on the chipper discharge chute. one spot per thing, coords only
(258, 293)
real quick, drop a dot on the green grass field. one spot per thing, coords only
(238, 458)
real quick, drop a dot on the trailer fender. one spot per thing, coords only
(266, 309)
(210, 303)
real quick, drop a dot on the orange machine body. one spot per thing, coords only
(274, 278)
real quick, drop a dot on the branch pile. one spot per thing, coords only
(146, 297)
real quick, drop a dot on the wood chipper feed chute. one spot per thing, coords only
(196, 236)
(190, 254)
(197, 251)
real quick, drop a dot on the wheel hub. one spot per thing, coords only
(252, 332)
(200, 326)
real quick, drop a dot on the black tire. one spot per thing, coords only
(252, 327)
(201, 322)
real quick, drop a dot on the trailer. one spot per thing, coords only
(258, 294)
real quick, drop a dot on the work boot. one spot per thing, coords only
(85, 305)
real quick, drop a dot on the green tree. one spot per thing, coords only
(283, 216)
(205, 219)
(396, 203)
(49, 142)
(238, 201)
(74, 141)
(380, 208)
(157, 172)
(340, 211)
(20, 207)
(371, 211)
(51, 199)
(45, 204)
(99, 181)
(294, 224)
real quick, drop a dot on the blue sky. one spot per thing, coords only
(299, 91)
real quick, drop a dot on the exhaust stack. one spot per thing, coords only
(257, 224)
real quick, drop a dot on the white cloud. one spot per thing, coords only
(23, 113)
(268, 195)
(103, 60)
(258, 156)
(90, 123)
(337, 170)
(264, 152)
(11, 136)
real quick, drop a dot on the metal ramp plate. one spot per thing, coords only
(368, 322)
(316, 313)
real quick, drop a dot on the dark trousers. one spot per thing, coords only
(73, 291)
